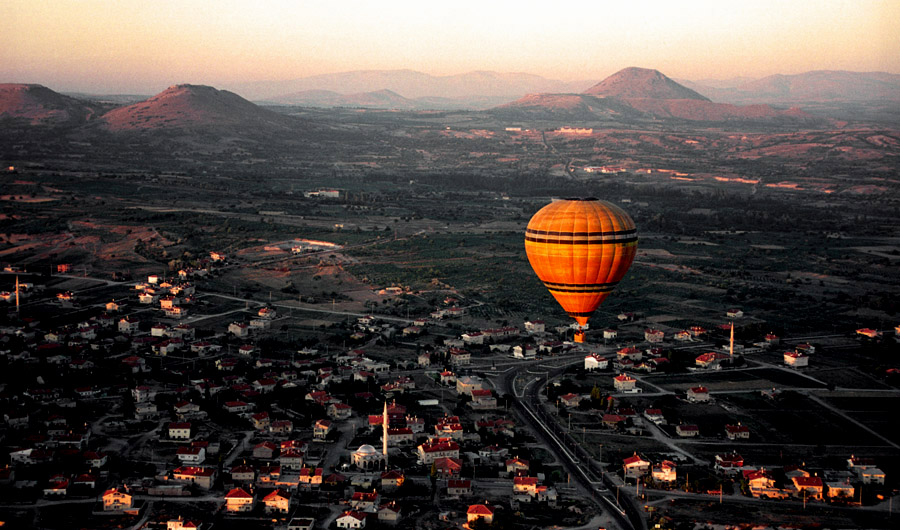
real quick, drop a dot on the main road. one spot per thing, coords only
(578, 463)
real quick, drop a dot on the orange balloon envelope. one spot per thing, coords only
(580, 249)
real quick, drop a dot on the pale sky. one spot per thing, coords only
(144, 46)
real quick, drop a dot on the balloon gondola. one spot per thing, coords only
(580, 249)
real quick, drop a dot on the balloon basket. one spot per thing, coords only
(579, 336)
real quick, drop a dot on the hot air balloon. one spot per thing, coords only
(580, 249)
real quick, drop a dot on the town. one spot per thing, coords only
(162, 403)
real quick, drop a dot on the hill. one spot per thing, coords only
(567, 107)
(636, 94)
(636, 82)
(38, 105)
(194, 106)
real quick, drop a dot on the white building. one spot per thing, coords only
(595, 362)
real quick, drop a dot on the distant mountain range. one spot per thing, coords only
(820, 86)
(412, 90)
(385, 99)
(639, 94)
(410, 84)
(632, 95)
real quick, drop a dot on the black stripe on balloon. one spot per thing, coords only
(579, 314)
(556, 284)
(586, 290)
(580, 234)
(580, 241)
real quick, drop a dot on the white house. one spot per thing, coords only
(595, 362)
(624, 382)
(698, 394)
(796, 359)
(238, 501)
(352, 519)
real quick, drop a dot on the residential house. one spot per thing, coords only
(351, 520)
(570, 400)
(278, 501)
(480, 511)
(391, 480)
(129, 325)
(291, 459)
(239, 329)
(438, 448)
(117, 500)
(339, 411)
(321, 430)
(808, 488)
(631, 353)
(517, 466)
(653, 335)
(191, 455)
(202, 477)
(482, 400)
(687, 430)
(841, 490)
(243, 473)
(389, 513)
(364, 501)
(870, 475)
(711, 360)
(737, 432)
(239, 501)
(624, 383)
(57, 486)
(534, 326)
(655, 416)
(795, 359)
(635, 466)
(595, 362)
(466, 384)
(260, 420)
(180, 430)
(265, 451)
(666, 471)
(447, 467)
(698, 394)
(762, 485)
(729, 464)
(458, 487)
(310, 477)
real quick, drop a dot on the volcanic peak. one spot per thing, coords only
(642, 83)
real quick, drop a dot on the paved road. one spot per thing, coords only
(565, 450)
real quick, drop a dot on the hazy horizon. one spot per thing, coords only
(132, 47)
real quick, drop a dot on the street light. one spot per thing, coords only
(600, 459)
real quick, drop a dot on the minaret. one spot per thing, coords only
(731, 344)
(384, 435)
(17, 294)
